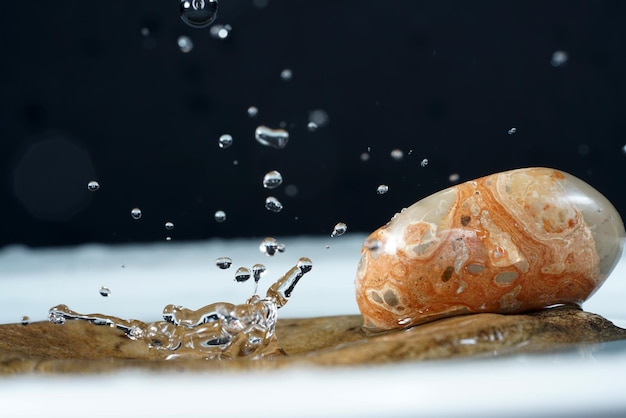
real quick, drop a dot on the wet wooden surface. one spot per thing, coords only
(80, 347)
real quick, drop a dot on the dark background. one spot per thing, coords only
(84, 95)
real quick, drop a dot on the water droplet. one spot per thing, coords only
(260, 4)
(382, 189)
(311, 126)
(258, 270)
(223, 262)
(25, 320)
(559, 58)
(275, 138)
(198, 13)
(242, 274)
(624, 149)
(286, 74)
(105, 291)
(372, 244)
(424, 162)
(339, 230)
(220, 31)
(273, 204)
(225, 141)
(365, 156)
(185, 43)
(135, 213)
(169, 226)
(168, 238)
(93, 186)
(145, 31)
(253, 111)
(291, 190)
(319, 117)
(272, 180)
(397, 154)
(270, 246)
(512, 131)
(220, 216)
(454, 177)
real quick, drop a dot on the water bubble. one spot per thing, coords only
(319, 117)
(169, 226)
(253, 111)
(242, 274)
(291, 190)
(365, 156)
(105, 291)
(185, 43)
(454, 177)
(223, 262)
(220, 216)
(93, 186)
(424, 162)
(25, 320)
(312, 126)
(512, 131)
(269, 246)
(559, 58)
(272, 179)
(258, 270)
(135, 213)
(397, 154)
(220, 31)
(339, 230)
(198, 13)
(225, 141)
(382, 189)
(286, 74)
(273, 204)
(275, 138)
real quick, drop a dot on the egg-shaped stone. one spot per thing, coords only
(511, 242)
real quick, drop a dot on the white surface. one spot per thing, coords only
(586, 383)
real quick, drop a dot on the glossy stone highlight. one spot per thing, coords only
(511, 242)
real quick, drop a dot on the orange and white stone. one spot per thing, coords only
(511, 242)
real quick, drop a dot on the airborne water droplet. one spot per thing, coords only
(270, 245)
(105, 291)
(512, 131)
(275, 138)
(242, 274)
(559, 58)
(185, 43)
(25, 320)
(220, 31)
(397, 154)
(454, 177)
(339, 230)
(135, 213)
(365, 156)
(253, 111)
(93, 185)
(258, 270)
(319, 117)
(225, 141)
(424, 162)
(382, 189)
(312, 126)
(169, 226)
(223, 262)
(198, 13)
(273, 204)
(272, 179)
(220, 216)
(286, 74)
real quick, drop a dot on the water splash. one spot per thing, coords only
(217, 331)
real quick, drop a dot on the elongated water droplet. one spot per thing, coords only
(135, 213)
(198, 13)
(185, 44)
(512, 131)
(225, 141)
(220, 216)
(339, 230)
(272, 180)
(258, 270)
(223, 262)
(242, 274)
(272, 204)
(382, 189)
(93, 186)
(105, 291)
(275, 138)
(169, 226)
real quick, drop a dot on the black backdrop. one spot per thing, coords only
(100, 90)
